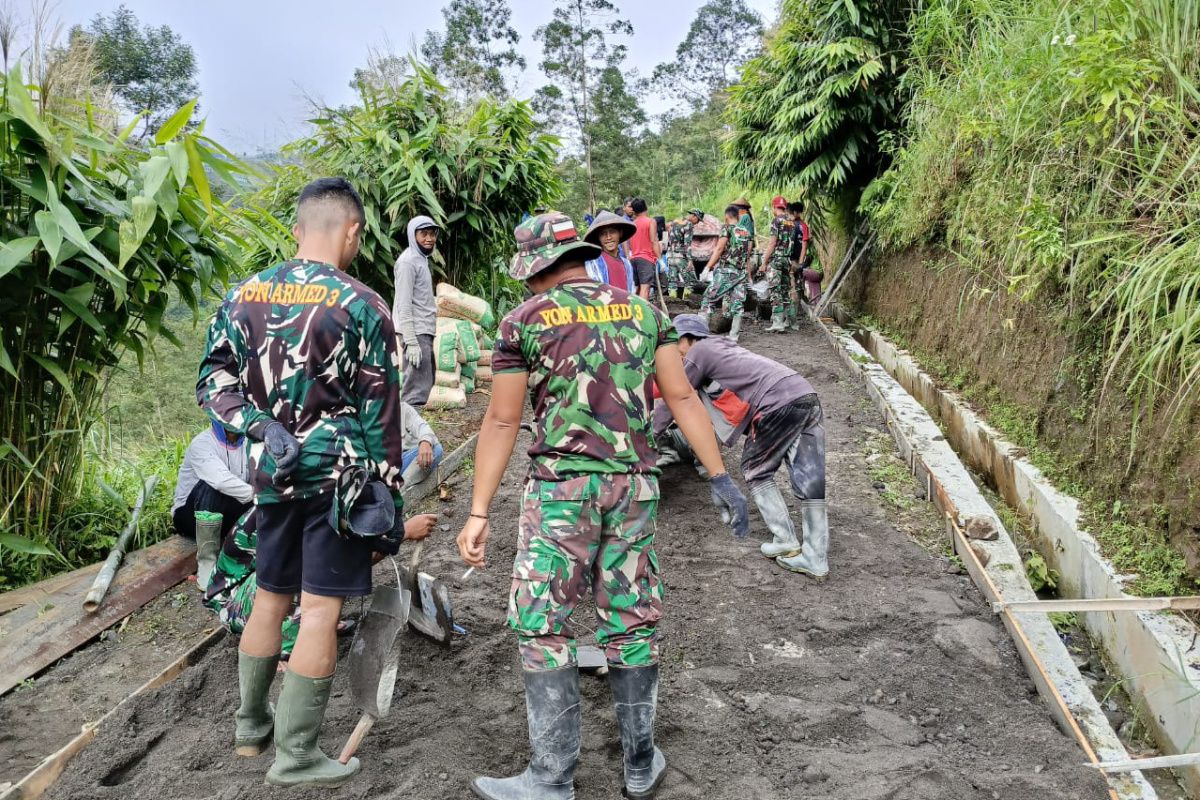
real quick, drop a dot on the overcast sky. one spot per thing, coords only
(259, 59)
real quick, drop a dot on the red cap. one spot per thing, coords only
(778, 201)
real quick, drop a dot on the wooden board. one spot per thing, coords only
(43, 776)
(39, 633)
(38, 593)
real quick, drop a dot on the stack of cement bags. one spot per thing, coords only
(462, 351)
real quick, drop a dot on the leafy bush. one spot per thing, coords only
(810, 111)
(408, 150)
(1051, 147)
(95, 235)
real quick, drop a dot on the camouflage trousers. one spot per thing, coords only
(678, 267)
(588, 532)
(778, 291)
(728, 288)
(233, 609)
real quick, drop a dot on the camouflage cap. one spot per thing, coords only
(543, 241)
(697, 213)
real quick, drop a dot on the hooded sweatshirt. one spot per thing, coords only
(414, 311)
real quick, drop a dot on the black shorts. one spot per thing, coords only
(772, 434)
(644, 271)
(298, 550)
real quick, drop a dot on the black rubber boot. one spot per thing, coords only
(552, 708)
(635, 698)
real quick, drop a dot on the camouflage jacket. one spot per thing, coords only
(307, 345)
(680, 240)
(589, 351)
(737, 251)
(783, 230)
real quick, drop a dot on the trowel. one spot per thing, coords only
(373, 659)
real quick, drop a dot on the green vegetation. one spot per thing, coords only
(1050, 146)
(409, 150)
(97, 235)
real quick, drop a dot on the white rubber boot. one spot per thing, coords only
(778, 324)
(813, 556)
(735, 329)
(775, 513)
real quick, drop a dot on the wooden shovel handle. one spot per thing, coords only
(360, 732)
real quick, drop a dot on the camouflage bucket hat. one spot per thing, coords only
(543, 241)
(697, 213)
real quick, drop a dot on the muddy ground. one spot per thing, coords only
(889, 680)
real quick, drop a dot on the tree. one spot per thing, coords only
(724, 35)
(478, 50)
(151, 70)
(809, 112)
(575, 56)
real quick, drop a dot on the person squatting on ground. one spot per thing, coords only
(780, 415)
(211, 492)
(609, 232)
(302, 358)
(234, 583)
(420, 461)
(778, 260)
(729, 265)
(414, 309)
(644, 248)
(588, 356)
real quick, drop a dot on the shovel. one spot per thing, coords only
(373, 659)
(431, 613)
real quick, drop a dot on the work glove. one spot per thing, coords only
(283, 448)
(730, 501)
(412, 353)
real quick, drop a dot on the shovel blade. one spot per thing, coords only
(373, 658)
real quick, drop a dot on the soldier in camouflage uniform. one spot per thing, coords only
(779, 267)
(588, 355)
(302, 359)
(731, 259)
(677, 258)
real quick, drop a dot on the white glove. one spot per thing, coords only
(706, 275)
(412, 354)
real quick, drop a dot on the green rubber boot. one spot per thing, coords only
(298, 759)
(255, 718)
(208, 546)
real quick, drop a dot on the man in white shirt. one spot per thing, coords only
(212, 480)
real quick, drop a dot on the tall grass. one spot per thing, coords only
(1053, 148)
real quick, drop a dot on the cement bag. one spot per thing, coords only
(448, 377)
(446, 397)
(486, 342)
(468, 344)
(483, 374)
(485, 358)
(445, 351)
(453, 303)
(447, 324)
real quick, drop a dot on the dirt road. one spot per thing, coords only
(889, 680)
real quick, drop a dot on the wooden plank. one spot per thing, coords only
(40, 641)
(450, 464)
(1099, 604)
(1158, 762)
(43, 776)
(38, 593)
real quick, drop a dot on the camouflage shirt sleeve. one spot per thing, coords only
(377, 385)
(219, 389)
(508, 355)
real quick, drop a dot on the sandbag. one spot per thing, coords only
(453, 303)
(468, 370)
(485, 358)
(468, 344)
(446, 397)
(483, 374)
(448, 377)
(445, 350)
(468, 385)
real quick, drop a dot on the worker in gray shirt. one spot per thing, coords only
(422, 450)
(212, 481)
(414, 312)
(780, 415)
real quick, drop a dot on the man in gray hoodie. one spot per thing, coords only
(414, 312)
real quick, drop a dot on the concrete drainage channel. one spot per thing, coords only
(996, 568)
(1153, 651)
